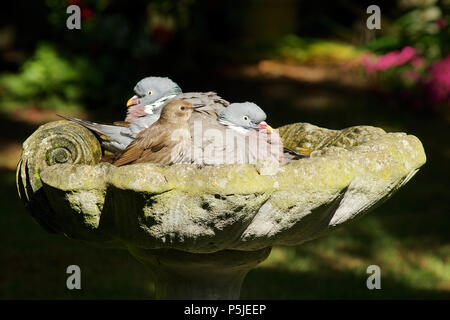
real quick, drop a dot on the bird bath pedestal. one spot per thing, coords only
(199, 231)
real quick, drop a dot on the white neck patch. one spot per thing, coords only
(234, 127)
(150, 108)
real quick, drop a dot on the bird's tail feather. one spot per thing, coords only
(103, 129)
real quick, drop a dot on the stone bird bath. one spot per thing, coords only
(199, 231)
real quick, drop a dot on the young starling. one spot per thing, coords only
(167, 141)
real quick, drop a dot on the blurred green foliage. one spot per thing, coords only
(47, 79)
(422, 25)
(316, 50)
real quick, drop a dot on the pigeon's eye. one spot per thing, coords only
(182, 107)
(149, 92)
(245, 118)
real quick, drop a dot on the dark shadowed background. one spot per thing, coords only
(301, 61)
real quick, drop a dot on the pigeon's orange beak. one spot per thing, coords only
(263, 125)
(132, 101)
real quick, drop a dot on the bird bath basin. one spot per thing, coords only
(199, 231)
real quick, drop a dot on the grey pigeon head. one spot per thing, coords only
(246, 115)
(152, 89)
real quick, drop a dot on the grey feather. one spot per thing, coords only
(115, 138)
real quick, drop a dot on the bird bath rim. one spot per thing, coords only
(226, 210)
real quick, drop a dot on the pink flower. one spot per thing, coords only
(391, 59)
(395, 58)
(438, 83)
(368, 62)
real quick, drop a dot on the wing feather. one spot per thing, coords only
(153, 144)
(128, 156)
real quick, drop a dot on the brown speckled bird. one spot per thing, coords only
(167, 141)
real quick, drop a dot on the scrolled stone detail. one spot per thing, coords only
(56, 142)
